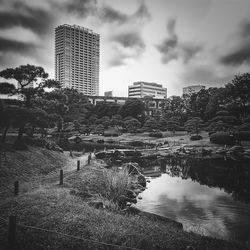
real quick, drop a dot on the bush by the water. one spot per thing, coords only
(195, 137)
(41, 142)
(156, 134)
(136, 143)
(244, 135)
(222, 138)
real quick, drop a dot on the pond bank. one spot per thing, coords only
(72, 208)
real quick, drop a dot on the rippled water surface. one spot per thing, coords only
(210, 198)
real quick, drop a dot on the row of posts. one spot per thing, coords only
(12, 218)
(16, 183)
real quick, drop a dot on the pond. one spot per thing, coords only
(208, 196)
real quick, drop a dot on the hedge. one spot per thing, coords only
(244, 135)
(156, 134)
(222, 138)
(195, 137)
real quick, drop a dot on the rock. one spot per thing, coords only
(142, 180)
(96, 204)
(130, 194)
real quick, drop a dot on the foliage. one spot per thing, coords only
(132, 107)
(238, 92)
(226, 119)
(24, 74)
(244, 127)
(219, 126)
(6, 88)
(222, 138)
(244, 135)
(106, 109)
(156, 134)
(193, 124)
(131, 125)
(195, 137)
(97, 129)
(150, 124)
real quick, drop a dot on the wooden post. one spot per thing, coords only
(61, 177)
(12, 232)
(16, 188)
(78, 165)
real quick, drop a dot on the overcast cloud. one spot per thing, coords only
(163, 41)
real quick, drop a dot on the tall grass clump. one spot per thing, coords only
(116, 185)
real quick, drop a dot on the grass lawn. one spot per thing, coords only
(66, 208)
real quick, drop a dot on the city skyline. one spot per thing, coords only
(173, 43)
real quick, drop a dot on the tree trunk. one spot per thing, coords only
(20, 134)
(5, 133)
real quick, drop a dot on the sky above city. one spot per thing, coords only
(175, 43)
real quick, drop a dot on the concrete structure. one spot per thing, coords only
(150, 103)
(77, 58)
(192, 89)
(16, 97)
(142, 89)
(108, 93)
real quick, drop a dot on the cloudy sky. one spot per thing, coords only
(172, 42)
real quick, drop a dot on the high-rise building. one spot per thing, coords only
(142, 89)
(77, 58)
(192, 89)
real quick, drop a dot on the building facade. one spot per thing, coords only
(151, 104)
(143, 89)
(77, 56)
(189, 90)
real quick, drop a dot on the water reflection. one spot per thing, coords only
(210, 197)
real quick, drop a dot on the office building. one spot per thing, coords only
(77, 58)
(143, 89)
(189, 90)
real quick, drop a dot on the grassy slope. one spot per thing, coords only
(47, 205)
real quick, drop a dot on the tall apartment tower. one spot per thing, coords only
(77, 58)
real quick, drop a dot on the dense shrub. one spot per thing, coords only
(195, 137)
(244, 135)
(211, 132)
(156, 134)
(244, 127)
(136, 143)
(222, 138)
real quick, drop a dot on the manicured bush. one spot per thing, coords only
(211, 132)
(156, 134)
(195, 137)
(136, 143)
(244, 135)
(222, 138)
(244, 127)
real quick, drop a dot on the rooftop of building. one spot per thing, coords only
(148, 83)
(74, 26)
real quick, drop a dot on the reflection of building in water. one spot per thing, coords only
(211, 172)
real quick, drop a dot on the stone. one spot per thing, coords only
(142, 180)
(130, 194)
